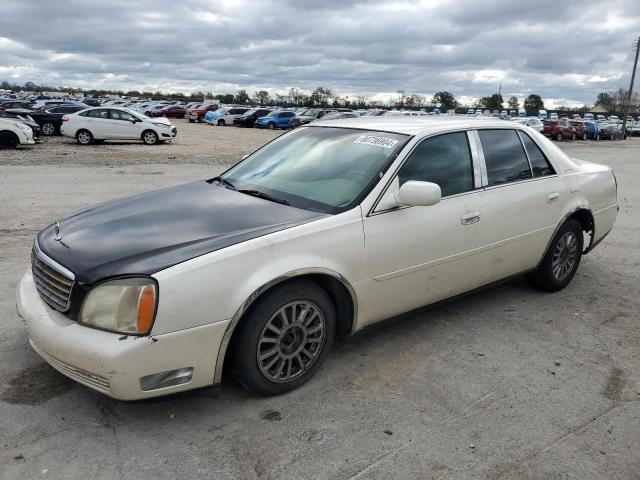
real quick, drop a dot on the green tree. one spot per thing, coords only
(261, 96)
(533, 102)
(242, 97)
(320, 97)
(494, 102)
(446, 100)
(513, 103)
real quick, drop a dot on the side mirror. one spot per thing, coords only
(412, 193)
(419, 194)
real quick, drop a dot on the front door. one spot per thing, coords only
(415, 256)
(123, 125)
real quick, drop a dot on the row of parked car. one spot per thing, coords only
(24, 121)
(580, 129)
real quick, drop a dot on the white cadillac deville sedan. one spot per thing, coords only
(322, 232)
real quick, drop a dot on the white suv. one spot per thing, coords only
(13, 134)
(112, 123)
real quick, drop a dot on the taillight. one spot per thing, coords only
(65, 119)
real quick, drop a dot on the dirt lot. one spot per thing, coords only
(509, 383)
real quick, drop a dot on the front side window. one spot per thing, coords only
(539, 162)
(320, 169)
(120, 115)
(445, 160)
(504, 156)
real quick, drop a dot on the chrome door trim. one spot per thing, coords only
(473, 134)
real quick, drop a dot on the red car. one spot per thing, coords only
(580, 127)
(171, 111)
(558, 129)
(197, 113)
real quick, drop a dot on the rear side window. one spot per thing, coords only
(98, 113)
(504, 156)
(444, 160)
(539, 162)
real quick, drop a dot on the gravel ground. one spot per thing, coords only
(509, 383)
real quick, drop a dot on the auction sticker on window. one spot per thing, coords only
(376, 141)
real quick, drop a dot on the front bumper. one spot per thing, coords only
(26, 137)
(112, 363)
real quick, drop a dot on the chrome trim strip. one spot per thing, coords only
(51, 262)
(483, 163)
(475, 158)
(525, 152)
(222, 351)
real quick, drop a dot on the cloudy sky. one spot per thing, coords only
(566, 51)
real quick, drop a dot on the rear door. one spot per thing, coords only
(99, 123)
(522, 201)
(284, 119)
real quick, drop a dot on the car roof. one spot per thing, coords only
(414, 125)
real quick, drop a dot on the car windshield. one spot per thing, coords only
(318, 168)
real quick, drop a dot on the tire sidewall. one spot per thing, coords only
(545, 274)
(90, 137)
(145, 140)
(245, 366)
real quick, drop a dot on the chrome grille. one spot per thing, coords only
(53, 281)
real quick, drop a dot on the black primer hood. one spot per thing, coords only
(152, 231)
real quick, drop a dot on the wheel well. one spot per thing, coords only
(9, 133)
(337, 291)
(585, 218)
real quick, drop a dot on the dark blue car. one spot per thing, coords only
(280, 119)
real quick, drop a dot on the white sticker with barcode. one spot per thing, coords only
(376, 141)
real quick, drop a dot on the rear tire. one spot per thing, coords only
(597, 137)
(149, 137)
(9, 140)
(573, 137)
(284, 339)
(48, 129)
(561, 261)
(559, 137)
(584, 136)
(84, 137)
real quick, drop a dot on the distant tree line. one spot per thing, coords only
(324, 97)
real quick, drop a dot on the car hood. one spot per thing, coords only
(152, 231)
(163, 120)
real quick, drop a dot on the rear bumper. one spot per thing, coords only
(111, 363)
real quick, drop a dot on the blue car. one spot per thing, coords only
(593, 130)
(280, 119)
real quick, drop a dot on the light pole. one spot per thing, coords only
(633, 77)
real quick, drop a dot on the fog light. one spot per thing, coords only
(166, 379)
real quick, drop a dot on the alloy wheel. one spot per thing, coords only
(84, 138)
(48, 128)
(291, 341)
(564, 256)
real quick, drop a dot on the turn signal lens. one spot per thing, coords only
(146, 308)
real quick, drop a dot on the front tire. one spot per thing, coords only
(149, 137)
(561, 261)
(559, 137)
(573, 137)
(271, 126)
(284, 339)
(584, 137)
(84, 137)
(8, 140)
(221, 123)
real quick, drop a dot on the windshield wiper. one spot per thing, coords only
(224, 182)
(265, 196)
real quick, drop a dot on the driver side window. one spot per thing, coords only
(445, 160)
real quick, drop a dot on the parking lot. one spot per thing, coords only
(508, 383)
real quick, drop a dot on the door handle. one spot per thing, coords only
(470, 218)
(553, 197)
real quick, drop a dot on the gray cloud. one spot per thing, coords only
(568, 51)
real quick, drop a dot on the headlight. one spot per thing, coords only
(161, 125)
(22, 126)
(126, 305)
